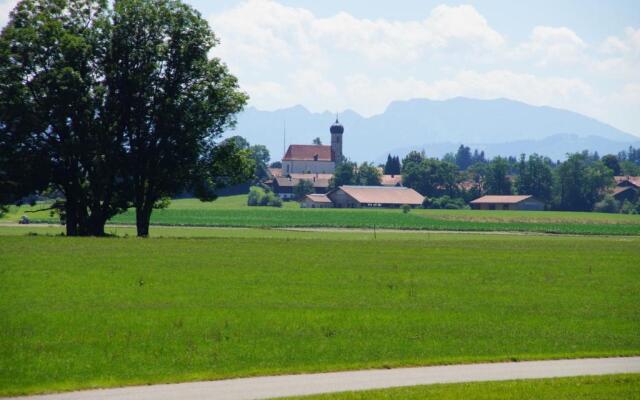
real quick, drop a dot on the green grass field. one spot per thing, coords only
(233, 212)
(610, 387)
(102, 312)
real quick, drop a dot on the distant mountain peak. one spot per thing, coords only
(423, 122)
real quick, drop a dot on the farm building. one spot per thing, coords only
(627, 188)
(374, 196)
(624, 181)
(283, 185)
(507, 202)
(623, 193)
(316, 201)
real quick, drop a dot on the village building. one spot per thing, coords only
(374, 196)
(624, 193)
(391, 180)
(316, 201)
(627, 180)
(284, 186)
(507, 202)
(627, 188)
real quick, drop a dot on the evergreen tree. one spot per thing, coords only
(463, 157)
(612, 163)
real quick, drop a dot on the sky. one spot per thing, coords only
(580, 55)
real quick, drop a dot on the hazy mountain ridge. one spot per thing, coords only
(499, 127)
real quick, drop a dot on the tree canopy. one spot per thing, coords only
(113, 106)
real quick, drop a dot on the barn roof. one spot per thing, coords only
(622, 180)
(308, 152)
(502, 199)
(620, 189)
(318, 198)
(383, 194)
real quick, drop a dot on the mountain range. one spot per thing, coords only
(498, 127)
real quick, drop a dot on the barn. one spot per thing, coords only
(374, 196)
(508, 202)
(316, 201)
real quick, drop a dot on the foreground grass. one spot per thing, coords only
(233, 212)
(82, 312)
(609, 387)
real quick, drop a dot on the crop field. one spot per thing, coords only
(103, 312)
(233, 212)
(589, 387)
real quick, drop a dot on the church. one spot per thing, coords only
(315, 159)
(315, 163)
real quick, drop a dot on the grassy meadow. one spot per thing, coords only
(233, 212)
(217, 303)
(606, 387)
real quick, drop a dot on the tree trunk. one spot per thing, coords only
(96, 225)
(143, 217)
(71, 213)
(71, 219)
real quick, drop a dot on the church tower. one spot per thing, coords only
(336, 141)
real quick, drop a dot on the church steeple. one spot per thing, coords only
(336, 140)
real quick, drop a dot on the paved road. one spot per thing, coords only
(295, 385)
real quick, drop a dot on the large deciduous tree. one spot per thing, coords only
(432, 177)
(368, 175)
(497, 177)
(113, 106)
(173, 100)
(54, 125)
(535, 177)
(581, 182)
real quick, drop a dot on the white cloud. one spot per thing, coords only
(618, 58)
(553, 46)
(265, 31)
(446, 27)
(5, 9)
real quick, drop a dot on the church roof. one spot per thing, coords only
(308, 152)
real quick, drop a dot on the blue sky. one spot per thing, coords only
(334, 55)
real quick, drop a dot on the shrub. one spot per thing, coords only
(273, 200)
(607, 205)
(445, 203)
(405, 208)
(260, 197)
(255, 195)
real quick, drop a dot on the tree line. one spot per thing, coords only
(580, 183)
(114, 105)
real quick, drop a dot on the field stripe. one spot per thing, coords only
(307, 384)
